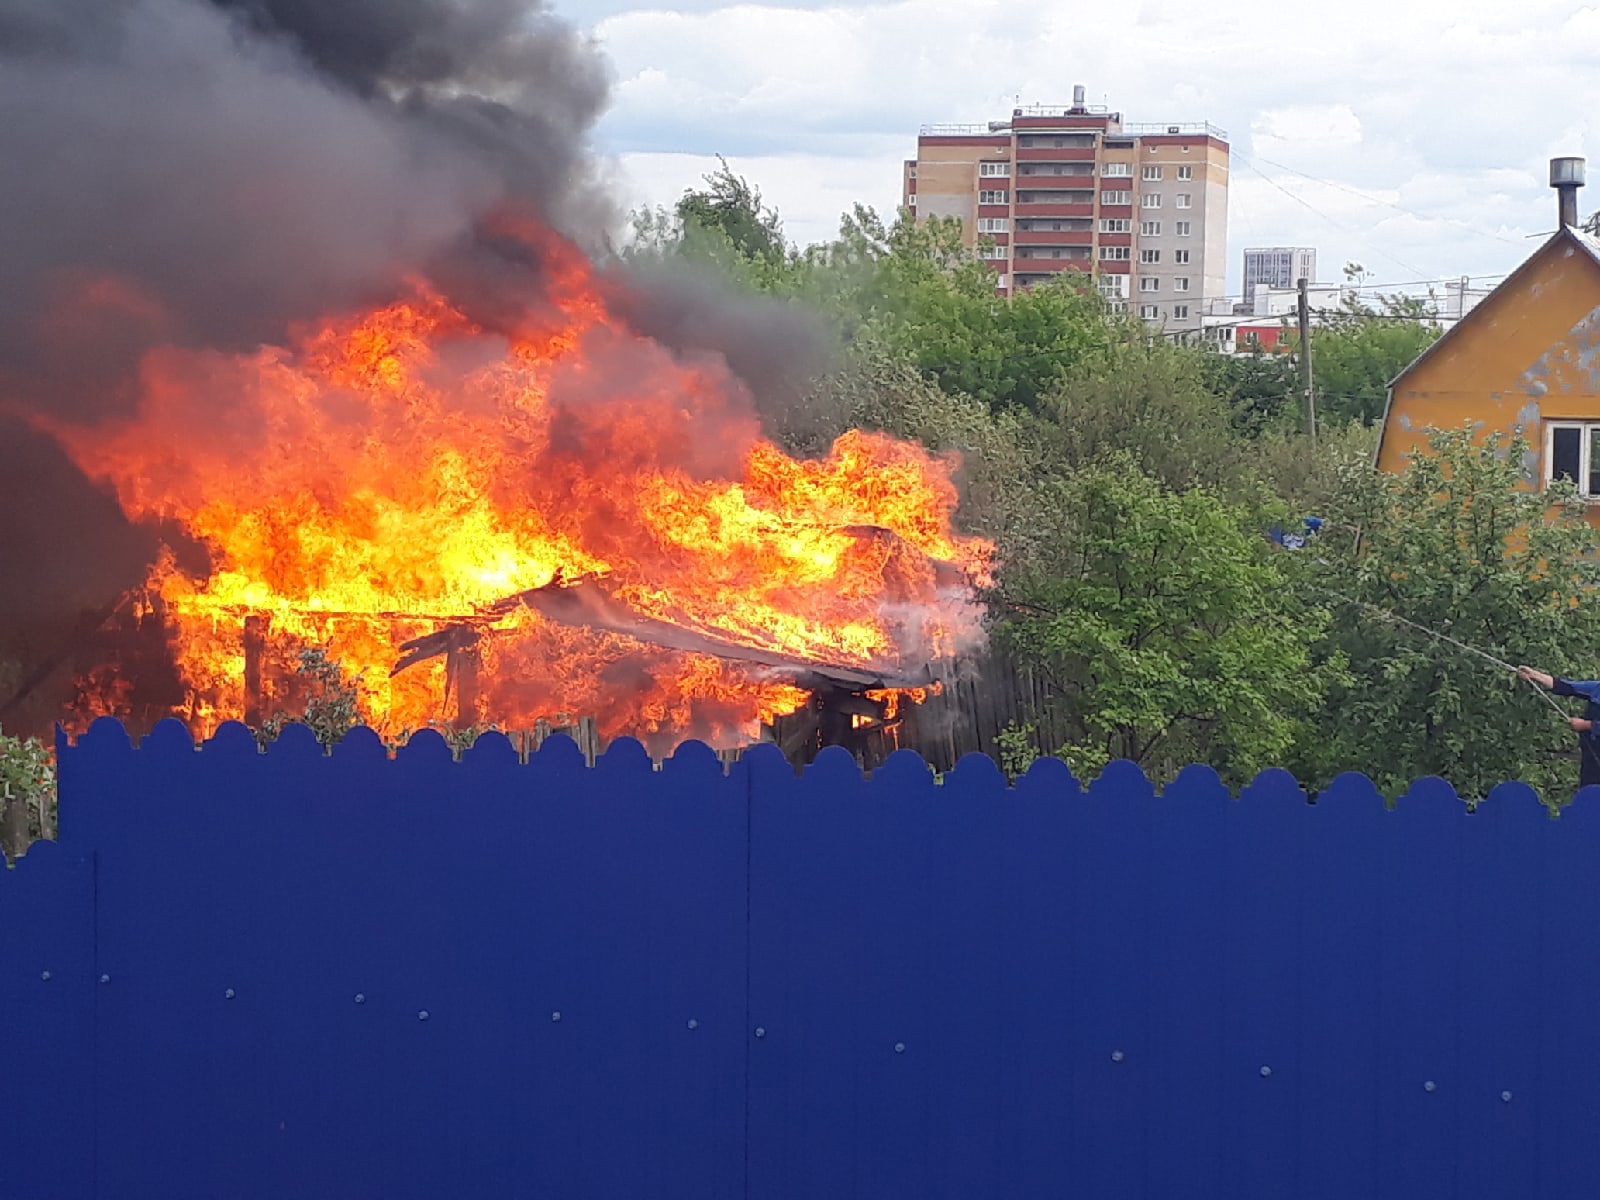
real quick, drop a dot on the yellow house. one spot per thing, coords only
(1525, 361)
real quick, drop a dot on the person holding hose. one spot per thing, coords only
(1587, 726)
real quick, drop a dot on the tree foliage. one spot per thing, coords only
(27, 793)
(1167, 628)
(1460, 544)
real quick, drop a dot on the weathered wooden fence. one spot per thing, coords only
(286, 974)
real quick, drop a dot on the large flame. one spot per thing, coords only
(390, 471)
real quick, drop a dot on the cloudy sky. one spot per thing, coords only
(1409, 135)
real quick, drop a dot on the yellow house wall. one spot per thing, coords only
(1529, 354)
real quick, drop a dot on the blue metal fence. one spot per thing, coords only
(290, 974)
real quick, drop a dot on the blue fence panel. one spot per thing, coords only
(1501, 998)
(47, 998)
(293, 973)
(1569, 1003)
(361, 977)
(1341, 879)
(1261, 915)
(1036, 1027)
(1188, 989)
(1418, 966)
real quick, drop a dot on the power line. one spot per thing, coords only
(1386, 204)
(1314, 209)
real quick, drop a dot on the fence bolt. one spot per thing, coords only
(555, 1016)
(361, 997)
(228, 995)
(693, 1024)
(423, 1015)
(1116, 1056)
(1506, 1096)
(1266, 1072)
(1430, 1086)
(105, 979)
(45, 975)
(899, 1047)
(761, 1031)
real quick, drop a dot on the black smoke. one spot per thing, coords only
(208, 173)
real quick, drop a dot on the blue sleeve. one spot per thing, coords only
(1589, 689)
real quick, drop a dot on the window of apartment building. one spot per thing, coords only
(1185, 200)
(1180, 312)
(1186, 172)
(911, 200)
(1116, 197)
(1116, 225)
(1181, 284)
(1182, 228)
(995, 170)
(1150, 200)
(1181, 257)
(1113, 287)
(1149, 284)
(1148, 312)
(991, 197)
(1572, 451)
(994, 224)
(991, 251)
(1149, 256)
(1115, 253)
(1117, 170)
(1152, 172)
(1001, 280)
(1149, 228)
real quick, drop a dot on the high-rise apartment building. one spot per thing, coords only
(1144, 208)
(1278, 267)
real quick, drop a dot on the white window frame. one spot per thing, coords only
(1001, 280)
(1116, 224)
(994, 224)
(1113, 287)
(1185, 200)
(1116, 197)
(1149, 258)
(994, 170)
(1117, 170)
(1181, 283)
(1116, 253)
(1150, 200)
(1180, 258)
(1149, 283)
(1149, 228)
(1586, 431)
(992, 196)
(1180, 312)
(1152, 171)
(1185, 172)
(1183, 228)
(993, 253)
(1149, 312)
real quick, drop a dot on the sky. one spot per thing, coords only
(1410, 136)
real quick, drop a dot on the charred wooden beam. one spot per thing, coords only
(255, 646)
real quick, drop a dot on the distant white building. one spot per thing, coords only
(1277, 267)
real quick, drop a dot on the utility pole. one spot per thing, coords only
(1305, 358)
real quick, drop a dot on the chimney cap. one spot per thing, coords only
(1566, 172)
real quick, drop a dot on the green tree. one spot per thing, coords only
(730, 205)
(1460, 544)
(27, 793)
(332, 701)
(1357, 350)
(1167, 628)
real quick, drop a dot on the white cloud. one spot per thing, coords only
(1446, 109)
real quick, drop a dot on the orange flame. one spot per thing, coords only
(389, 471)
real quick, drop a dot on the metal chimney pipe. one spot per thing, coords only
(1077, 96)
(1566, 176)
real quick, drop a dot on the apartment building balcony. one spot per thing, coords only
(1053, 210)
(1054, 237)
(1060, 154)
(1048, 266)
